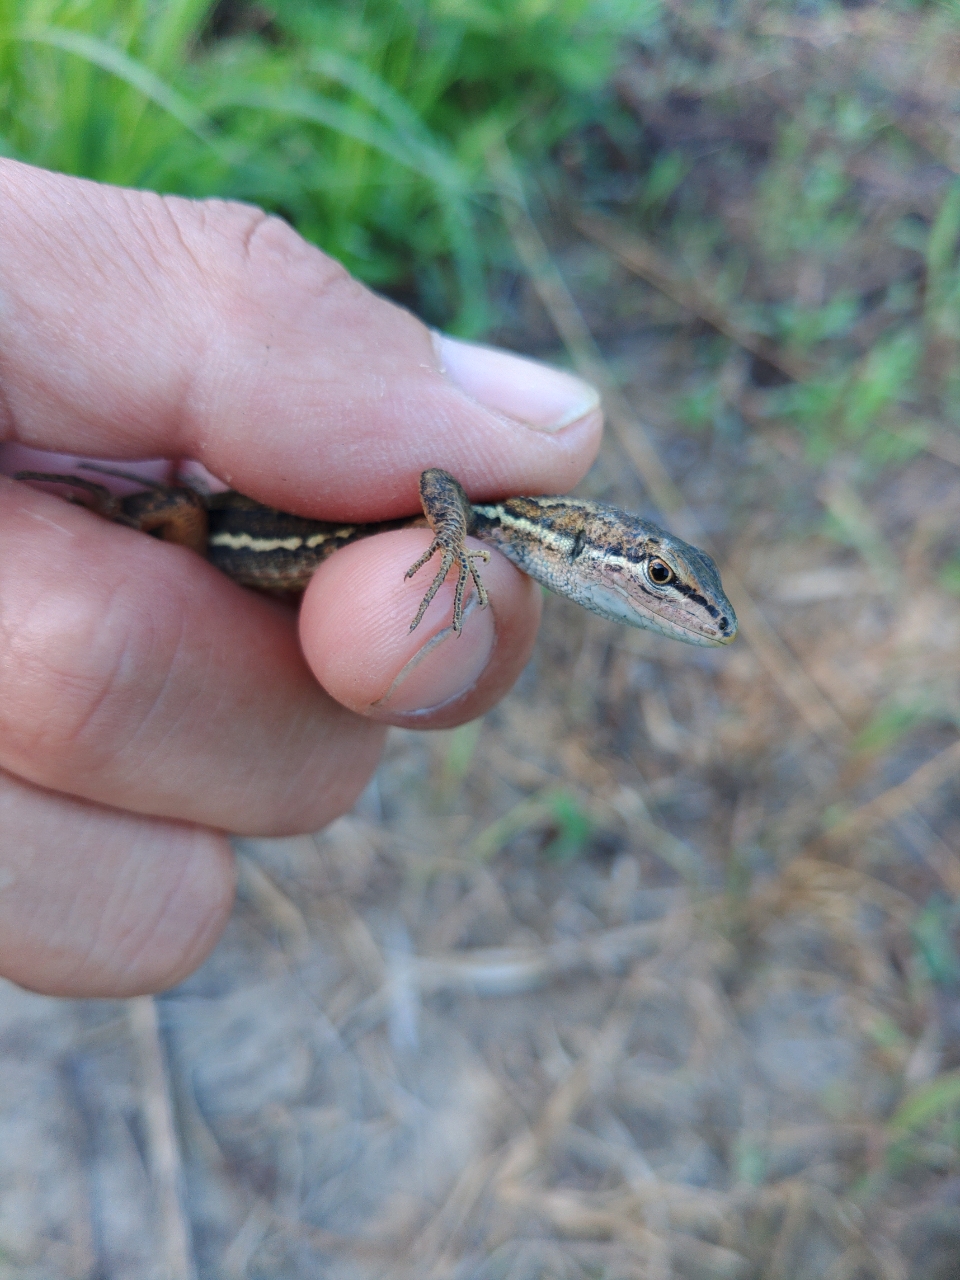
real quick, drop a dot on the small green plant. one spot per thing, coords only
(925, 1129)
(572, 827)
(935, 943)
(461, 745)
(803, 203)
(555, 811)
(950, 575)
(890, 722)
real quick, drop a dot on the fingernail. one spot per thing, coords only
(543, 398)
(446, 667)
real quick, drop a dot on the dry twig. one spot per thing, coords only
(163, 1148)
(646, 261)
(895, 801)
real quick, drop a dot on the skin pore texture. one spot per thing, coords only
(147, 703)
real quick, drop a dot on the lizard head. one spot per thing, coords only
(651, 579)
(615, 564)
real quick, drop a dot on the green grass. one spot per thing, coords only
(365, 124)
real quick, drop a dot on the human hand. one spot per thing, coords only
(147, 703)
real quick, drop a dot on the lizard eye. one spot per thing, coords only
(660, 572)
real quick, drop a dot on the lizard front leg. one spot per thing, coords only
(448, 512)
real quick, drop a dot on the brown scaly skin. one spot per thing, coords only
(612, 563)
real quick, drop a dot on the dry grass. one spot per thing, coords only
(651, 974)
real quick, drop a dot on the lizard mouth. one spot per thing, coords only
(712, 639)
(707, 635)
(615, 600)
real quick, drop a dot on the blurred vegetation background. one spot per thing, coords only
(656, 971)
(366, 125)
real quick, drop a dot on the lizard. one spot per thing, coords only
(615, 564)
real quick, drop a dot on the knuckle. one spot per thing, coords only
(74, 686)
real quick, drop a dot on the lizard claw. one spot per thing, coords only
(464, 560)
